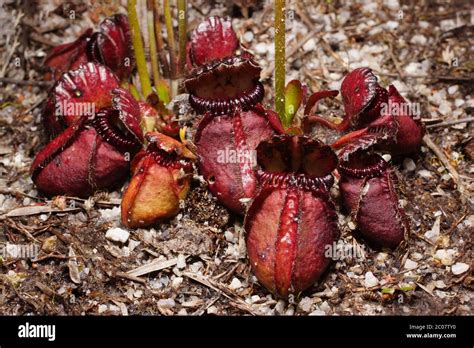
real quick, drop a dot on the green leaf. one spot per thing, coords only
(182, 37)
(134, 92)
(163, 91)
(406, 287)
(388, 291)
(293, 99)
(138, 48)
(280, 59)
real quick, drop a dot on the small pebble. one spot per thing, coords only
(445, 256)
(423, 24)
(310, 45)
(114, 308)
(325, 307)
(381, 258)
(196, 266)
(413, 68)
(357, 269)
(165, 280)
(117, 234)
(425, 174)
(433, 234)
(391, 25)
(418, 40)
(261, 48)
(129, 294)
(453, 89)
(110, 214)
(255, 298)
(439, 97)
(446, 177)
(248, 36)
(181, 264)
(290, 311)
(176, 282)
(445, 109)
(409, 164)
(212, 310)
(459, 268)
(370, 280)
(102, 308)
(409, 264)
(317, 312)
(229, 236)
(416, 256)
(305, 304)
(280, 307)
(235, 284)
(166, 303)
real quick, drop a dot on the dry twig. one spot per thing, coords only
(442, 157)
(452, 122)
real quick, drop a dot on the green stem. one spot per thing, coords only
(134, 92)
(138, 49)
(153, 52)
(182, 28)
(160, 85)
(169, 31)
(159, 39)
(280, 60)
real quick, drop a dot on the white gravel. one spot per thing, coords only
(409, 164)
(459, 268)
(166, 303)
(117, 234)
(181, 264)
(445, 256)
(370, 280)
(235, 284)
(410, 264)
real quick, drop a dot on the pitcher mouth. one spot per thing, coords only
(223, 86)
(169, 152)
(362, 165)
(302, 181)
(112, 129)
(298, 161)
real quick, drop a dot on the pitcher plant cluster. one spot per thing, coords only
(263, 165)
